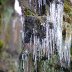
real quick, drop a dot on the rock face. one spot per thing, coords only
(1, 71)
(34, 5)
(30, 24)
(33, 26)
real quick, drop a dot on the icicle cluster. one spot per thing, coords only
(52, 42)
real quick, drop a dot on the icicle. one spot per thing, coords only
(30, 2)
(59, 19)
(17, 7)
(67, 46)
(40, 3)
(56, 17)
(47, 39)
(44, 2)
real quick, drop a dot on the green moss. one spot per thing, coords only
(28, 12)
(3, 2)
(49, 65)
(67, 8)
(71, 49)
(68, 11)
(1, 45)
(67, 18)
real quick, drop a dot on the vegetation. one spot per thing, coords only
(71, 49)
(7, 62)
(3, 2)
(68, 16)
(68, 11)
(51, 65)
(1, 46)
(28, 12)
(67, 7)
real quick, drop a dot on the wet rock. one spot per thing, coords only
(50, 25)
(44, 58)
(33, 23)
(1, 71)
(64, 34)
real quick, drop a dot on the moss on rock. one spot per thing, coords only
(67, 11)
